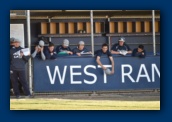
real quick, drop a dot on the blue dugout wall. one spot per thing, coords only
(73, 73)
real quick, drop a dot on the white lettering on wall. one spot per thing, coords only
(90, 74)
(72, 73)
(142, 67)
(105, 76)
(126, 73)
(61, 73)
(154, 67)
(56, 70)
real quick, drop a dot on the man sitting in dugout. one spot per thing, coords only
(104, 52)
(139, 52)
(39, 51)
(50, 52)
(80, 49)
(64, 48)
(121, 47)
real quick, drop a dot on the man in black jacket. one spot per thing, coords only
(105, 52)
(139, 52)
(50, 53)
(121, 47)
(64, 48)
(80, 49)
(17, 67)
(20, 86)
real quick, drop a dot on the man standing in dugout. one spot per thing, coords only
(17, 69)
(105, 52)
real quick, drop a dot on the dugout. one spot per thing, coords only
(55, 25)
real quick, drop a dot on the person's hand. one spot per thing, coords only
(104, 68)
(79, 54)
(51, 53)
(120, 52)
(69, 52)
(42, 48)
(36, 48)
(112, 72)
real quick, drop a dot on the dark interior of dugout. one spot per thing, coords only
(132, 39)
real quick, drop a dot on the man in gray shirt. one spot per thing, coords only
(39, 51)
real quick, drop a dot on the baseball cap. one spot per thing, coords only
(17, 40)
(81, 42)
(66, 42)
(41, 43)
(122, 39)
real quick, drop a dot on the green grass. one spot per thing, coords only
(71, 104)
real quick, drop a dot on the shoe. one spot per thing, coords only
(11, 91)
(29, 96)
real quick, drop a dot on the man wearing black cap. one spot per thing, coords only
(64, 48)
(17, 67)
(121, 47)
